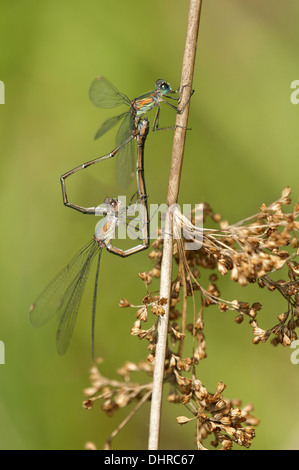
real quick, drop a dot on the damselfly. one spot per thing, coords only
(64, 293)
(104, 95)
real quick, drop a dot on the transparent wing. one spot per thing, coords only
(94, 303)
(71, 303)
(104, 95)
(125, 167)
(125, 129)
(107, 125)
(63, 295)
(51, 298)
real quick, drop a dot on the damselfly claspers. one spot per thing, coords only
(105, 95)
(64, 293)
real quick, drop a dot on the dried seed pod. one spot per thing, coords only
(183, 419)
(87, 404)
(141, 314)
(145, 277)
(124, 303)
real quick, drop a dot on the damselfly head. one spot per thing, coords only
(163, 86)
(113, 204)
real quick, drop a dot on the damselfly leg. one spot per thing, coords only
(179, 110)
(88, 210)
(140, 135)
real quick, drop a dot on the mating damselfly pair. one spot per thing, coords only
(64, 293)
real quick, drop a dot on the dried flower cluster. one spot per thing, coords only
(251, 250)
(117, 394)
(224, 419)
(248, 249)
(284, 330)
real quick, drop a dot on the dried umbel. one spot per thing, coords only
(225, 420)
(115, 393)
(251, 251)
(248, 249)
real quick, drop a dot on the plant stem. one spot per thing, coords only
(172, 197)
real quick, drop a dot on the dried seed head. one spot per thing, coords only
(145, 277)
(173, 397)
(153, 254)
(162, 301)
(179, 336)
(186, 398)
(225, 420)
(142, 314)
(226, 444)
(283, 316)
(150, 358)
(183, 419)
(90, 446)
(123, 303)
(155, 272)
(239, 318)
(157, 310)
(87, 404)
(223, 307)
(220, 388)
(220, 404)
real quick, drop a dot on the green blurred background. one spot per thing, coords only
(242, 151)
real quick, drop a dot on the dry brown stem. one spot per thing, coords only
(172, 197)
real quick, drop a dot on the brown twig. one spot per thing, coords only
(127, 419)
(172, 197)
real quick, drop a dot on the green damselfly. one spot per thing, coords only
(105, 95)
